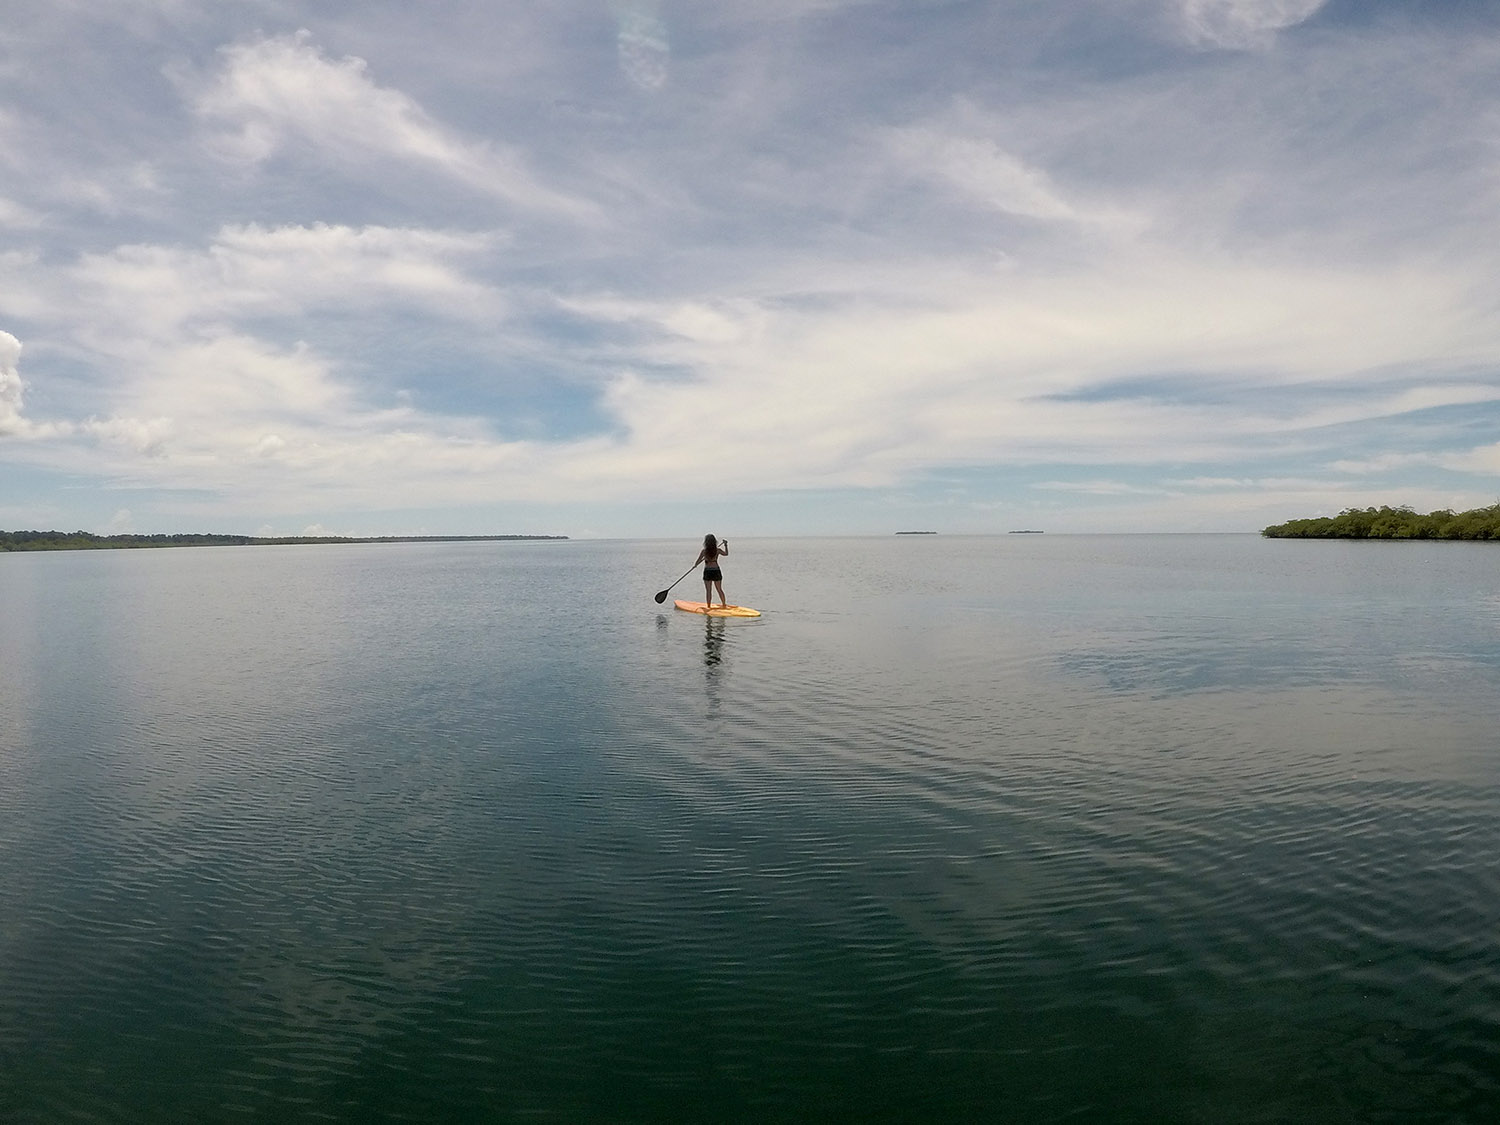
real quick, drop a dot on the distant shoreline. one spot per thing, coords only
(87, 541)
(1394, 523)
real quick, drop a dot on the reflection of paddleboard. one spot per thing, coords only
(716, 610)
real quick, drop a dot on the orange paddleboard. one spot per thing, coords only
(716, 610)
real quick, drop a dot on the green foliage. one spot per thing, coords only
(1393, 523)
(87, 541)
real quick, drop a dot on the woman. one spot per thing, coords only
(713, 577)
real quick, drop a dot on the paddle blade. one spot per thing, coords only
(661, 596)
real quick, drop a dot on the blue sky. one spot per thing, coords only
(645, 267)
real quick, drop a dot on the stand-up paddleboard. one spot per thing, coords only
(716, 610)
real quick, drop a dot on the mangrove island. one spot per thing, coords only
(88, 541)
(1393, 523)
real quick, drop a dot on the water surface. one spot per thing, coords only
(1036, 828)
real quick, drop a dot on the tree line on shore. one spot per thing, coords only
(88, 541)
(1393, 523)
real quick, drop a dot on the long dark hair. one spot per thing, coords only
(710, 545)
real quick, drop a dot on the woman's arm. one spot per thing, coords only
(724, 547)
(701, 556)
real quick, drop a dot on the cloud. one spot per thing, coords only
(848, 244)
(219, 385)
(188, 394)
(137, 437)
(1257, 484)
(643, 46)
(13, 420)
(11, 388)
(965, 368)
(18, 216)
(192, 397)
(978, 168)
(1375, 402)
(1383, 463)
(1241, 24)
(937, 367)
(1483, 460)
(1097, 488)
(273, 91)
(284, 271)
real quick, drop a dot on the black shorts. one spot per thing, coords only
(712, 574)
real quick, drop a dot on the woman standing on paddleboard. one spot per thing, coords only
(712, 575)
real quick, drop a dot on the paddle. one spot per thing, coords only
(661, 595)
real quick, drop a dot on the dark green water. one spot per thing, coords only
(1010, 829)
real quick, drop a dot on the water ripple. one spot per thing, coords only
(370, 840)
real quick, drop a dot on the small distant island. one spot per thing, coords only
(1026, 531)
(87, 541)
(1393, 523)
(916, 533)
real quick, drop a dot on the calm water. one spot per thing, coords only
(1025, 828)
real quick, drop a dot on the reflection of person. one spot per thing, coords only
(713, 646)
(713, 577)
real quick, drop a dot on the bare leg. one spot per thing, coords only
(708, 594)
(720, 587)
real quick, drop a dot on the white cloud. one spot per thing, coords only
(1440, 394)
(771, 11)
(1241, 24)
(1376, 403)
(191, 400)
(1212, 482)
(1097, 487)
(979, 169)
(11, 388)
(269, 445)
(17, 216)
(964, 369)
(943, 367)
(271, 91)
(135, 437)
(1383, 463)
(191, 397)
(129, 189)
(642, 43)
(13, 137)
(258, 271)
(13, 420)
(1484, 460)
(1220, 484)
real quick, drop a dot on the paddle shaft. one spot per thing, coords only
(661, 595)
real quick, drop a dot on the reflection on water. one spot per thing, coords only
(713, 642)
(1166, 829)
(713, 654)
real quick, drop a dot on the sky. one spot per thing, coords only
(616, 268)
